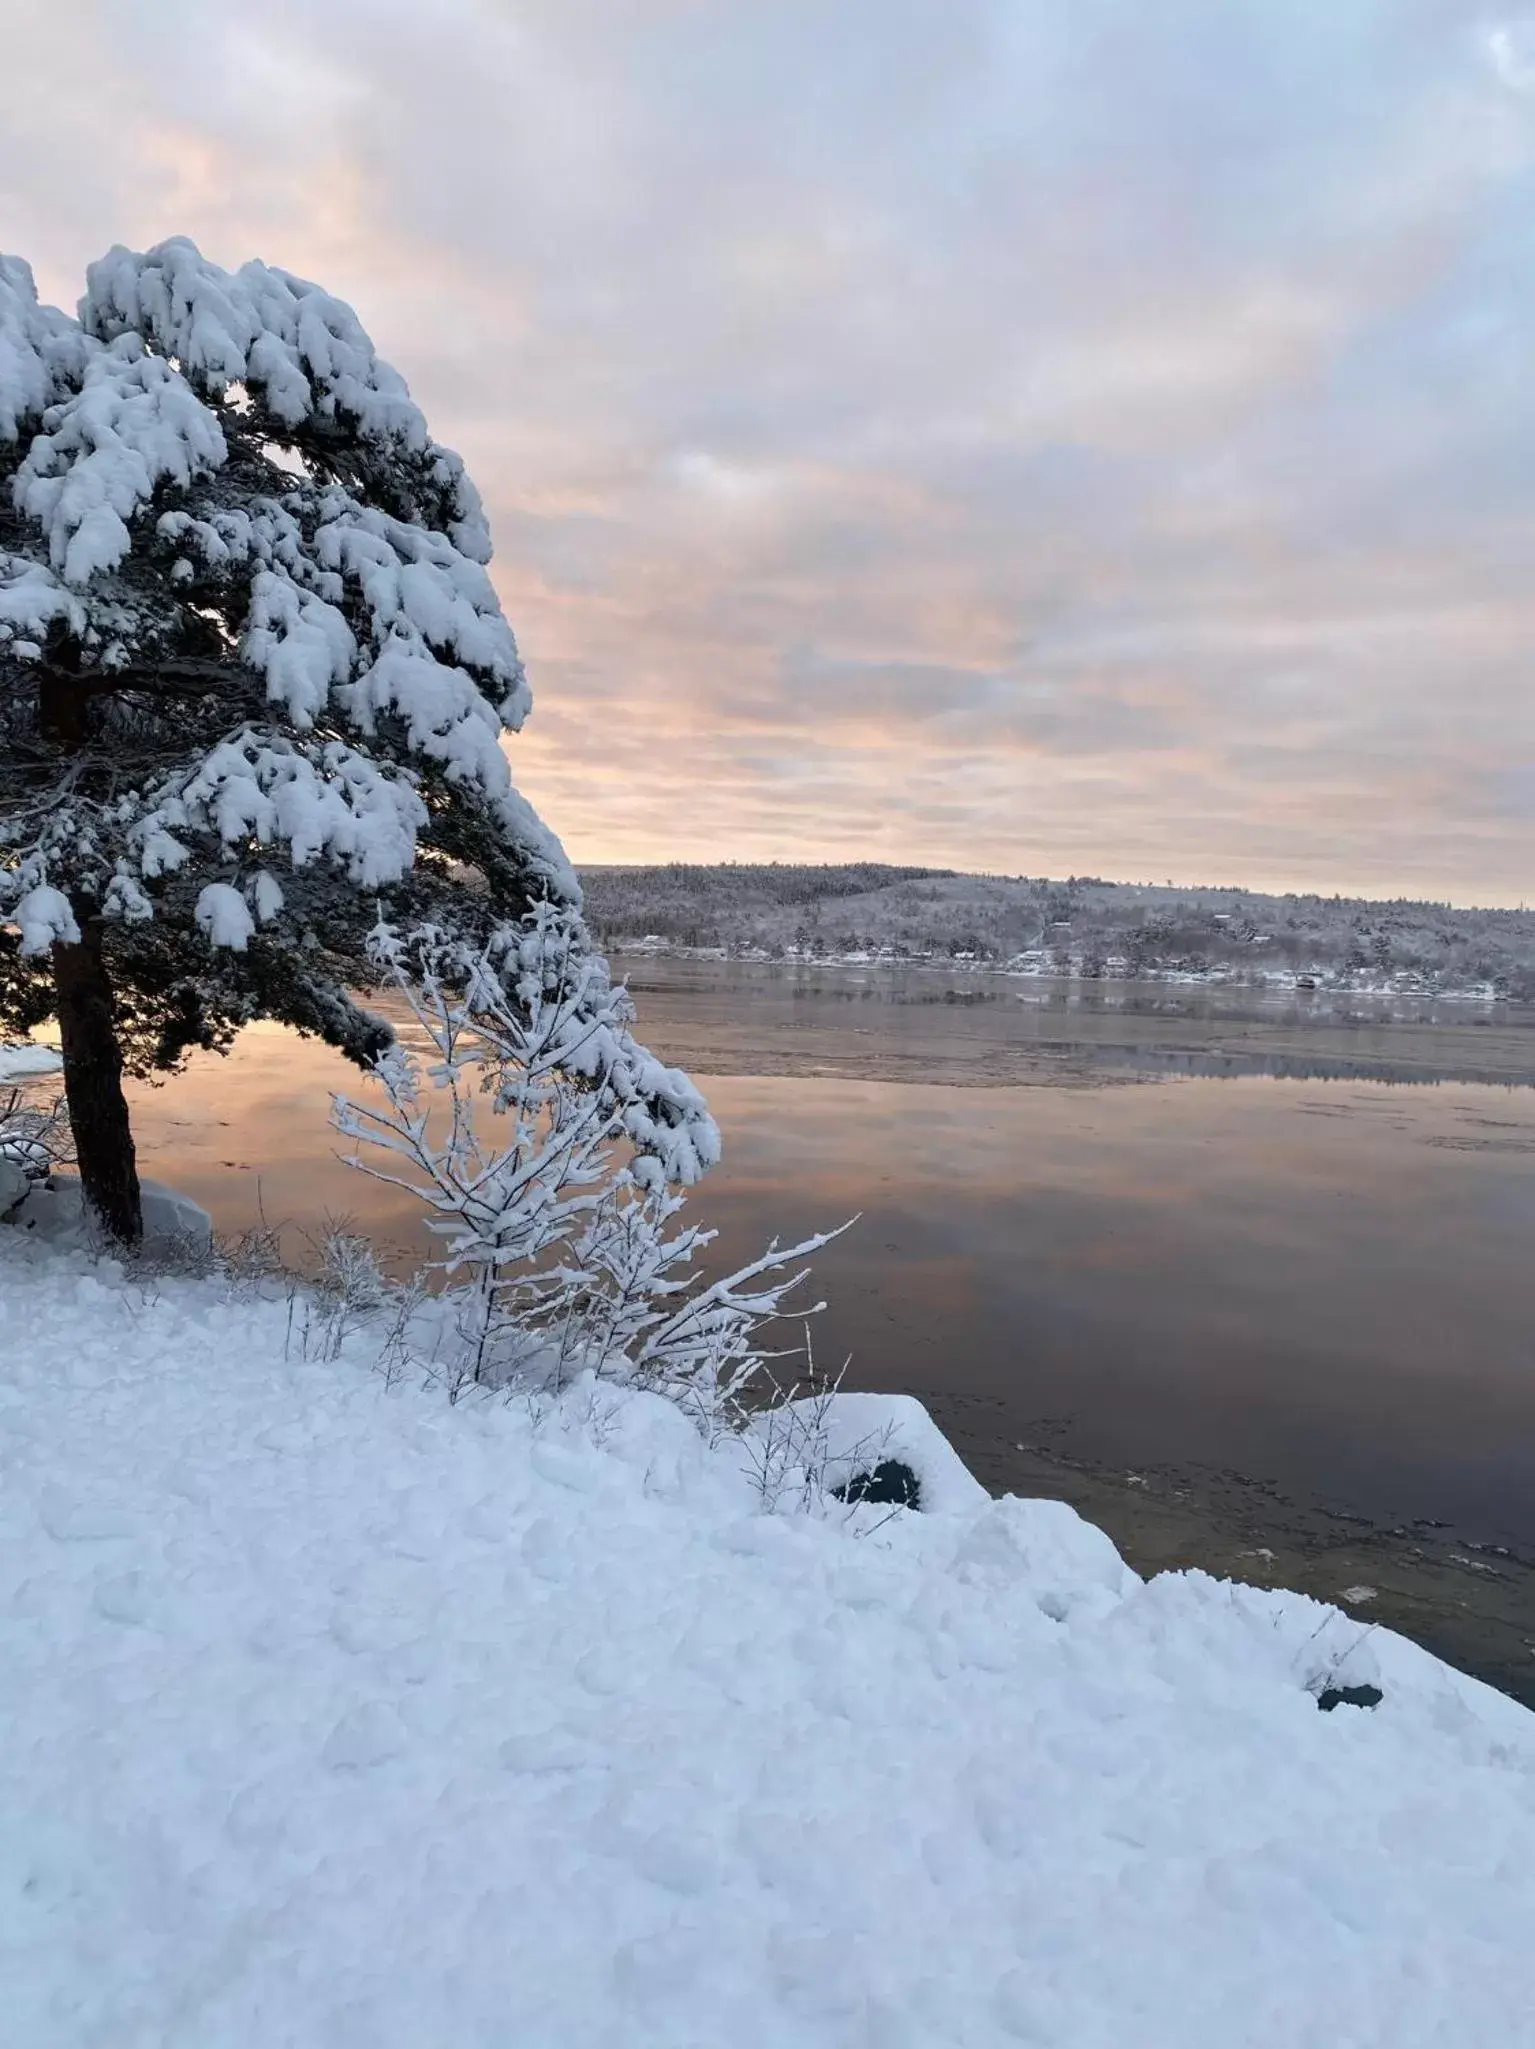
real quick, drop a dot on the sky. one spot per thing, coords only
(1077, 437)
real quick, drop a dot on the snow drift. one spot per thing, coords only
(337, 1715)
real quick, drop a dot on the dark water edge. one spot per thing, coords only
(1470, 1603)
(1282, 1333)
(1469, 1598)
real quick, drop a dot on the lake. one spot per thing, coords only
(1250, 1279)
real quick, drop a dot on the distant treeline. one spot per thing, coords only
(1081, 926)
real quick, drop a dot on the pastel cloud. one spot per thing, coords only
(997, 433)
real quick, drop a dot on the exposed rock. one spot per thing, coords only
(891, 1480)
(1348, 1696)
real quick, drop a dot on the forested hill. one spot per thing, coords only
(1081, 926)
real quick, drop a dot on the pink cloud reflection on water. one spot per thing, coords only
(1314, 1281)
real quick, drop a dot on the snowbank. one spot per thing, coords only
(843, 1440)
(336, 1715)
(25, 1062)
(54, 1209)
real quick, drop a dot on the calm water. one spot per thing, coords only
(1318, 1270)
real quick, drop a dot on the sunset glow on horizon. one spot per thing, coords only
(1024, 438)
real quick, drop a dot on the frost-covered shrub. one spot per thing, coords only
(34, 1132)
(529, 1130)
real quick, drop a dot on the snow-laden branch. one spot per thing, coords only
(223, 498)
(516, 1111)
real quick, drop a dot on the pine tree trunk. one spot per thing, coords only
(93, 1085)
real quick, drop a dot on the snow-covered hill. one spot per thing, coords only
(338, 1716)
(1081, 926)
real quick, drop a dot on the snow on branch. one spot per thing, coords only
(42, 916)
(302, 351)
(331, 800)
(133, 425)
(43, 352)
(175, 561)
(549, 1152)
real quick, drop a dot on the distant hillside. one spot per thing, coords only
(1082, 926)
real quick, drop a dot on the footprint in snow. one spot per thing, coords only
(366, 1735)
(602, 1671)
(123, 1599)
(69, 1520)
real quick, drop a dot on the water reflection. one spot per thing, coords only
(1327, 1286)
(1331, 1292)
(249, 1137)
(993, 1031)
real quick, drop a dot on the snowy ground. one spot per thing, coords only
(337, 1716)
(26, 1063)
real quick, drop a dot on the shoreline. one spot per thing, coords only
(740, 1017)
(1470, 1603)
(1317, 981)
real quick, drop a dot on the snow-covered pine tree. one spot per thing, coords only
(253, 685)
